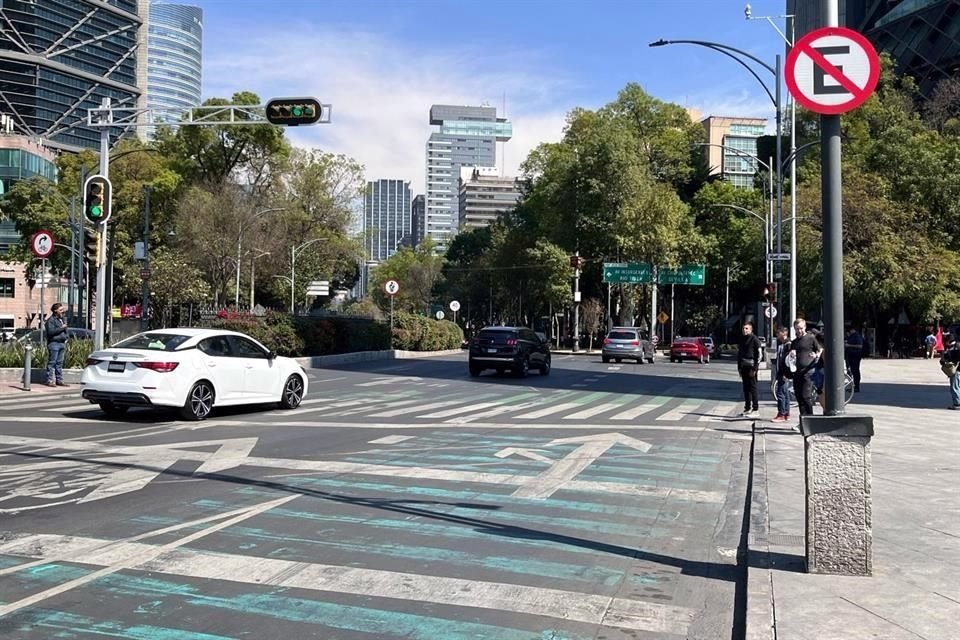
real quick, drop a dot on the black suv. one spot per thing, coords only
(515, 348)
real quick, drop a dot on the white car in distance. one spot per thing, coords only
(193, 370)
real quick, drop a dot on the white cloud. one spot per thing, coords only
(381, 91)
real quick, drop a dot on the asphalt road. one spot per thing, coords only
(404, 499)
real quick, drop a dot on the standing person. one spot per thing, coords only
(853, 353)
(807, 352)
(950, 361)
(56, 330)
(748, 362)
(930, 343)
(783, 375)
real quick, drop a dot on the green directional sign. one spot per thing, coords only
(626, 272)
(694, 274)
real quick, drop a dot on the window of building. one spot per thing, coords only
(7, 287)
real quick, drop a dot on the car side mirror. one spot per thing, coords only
(271, 355)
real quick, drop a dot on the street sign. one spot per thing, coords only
(439, 315)
(662, 317)
(770, 312)
(778, 257)
(627, 272)
(145, 274)
(455, 306)
(41, 243)
(318, 288)
(694, 274)
(391, 287)
(832, 70)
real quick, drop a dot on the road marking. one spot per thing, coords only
(31, 397)
(525, 453)
(578, 384)
(73, 407)
(389, 380)
(391, 439)
(648, 405)
(426, 407)
(591, 379)
(566, 469)
(124, 557)
(719, 413)
(173, 559)
(319, 380)
(465, 409)
(592, 411)
(682, 410)
(563, 406)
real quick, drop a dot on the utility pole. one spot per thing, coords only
(104, 117)
(576, 302)
(145, 303)
(653, 300)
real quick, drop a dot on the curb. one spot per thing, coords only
(761, 621)
(38, 375)
(317, 362)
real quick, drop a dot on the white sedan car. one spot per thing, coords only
(192, 370)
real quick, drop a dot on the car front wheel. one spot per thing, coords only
(292, 392)
(199, 402)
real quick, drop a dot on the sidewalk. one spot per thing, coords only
(914, 592)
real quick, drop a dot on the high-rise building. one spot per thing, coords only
(59, 58)
(386, 217)
(922, 36)
(418, 220)
(467, 137)
(733, 147)
(485, 196)
(174, 60)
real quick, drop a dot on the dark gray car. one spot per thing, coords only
(515, 348)
(627, 343)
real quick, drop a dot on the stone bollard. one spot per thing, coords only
(27, 366)
(837, 469)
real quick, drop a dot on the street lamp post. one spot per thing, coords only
(294, 252)
(775, 98)
(253, 263)
(243, 227)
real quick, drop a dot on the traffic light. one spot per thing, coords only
(577, 262)
(291, 112)
(92, 248)
(770, 291)
(97, 193)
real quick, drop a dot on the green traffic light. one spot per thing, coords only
(96, 212)
(297, 111)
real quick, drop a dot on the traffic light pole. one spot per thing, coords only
(101, 312)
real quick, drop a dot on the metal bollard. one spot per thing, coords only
(27, 365)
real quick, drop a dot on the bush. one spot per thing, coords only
(342, 335)
(11, 355)
(275, 331)
(419, 333)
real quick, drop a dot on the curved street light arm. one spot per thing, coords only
(740, 152)
(743, 209)
(796, 152)
(748, 68)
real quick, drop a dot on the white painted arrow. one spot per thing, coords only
(569, 467)
(526, 453)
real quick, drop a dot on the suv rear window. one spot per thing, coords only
(153, 341)
(623, 335)
(497, 337)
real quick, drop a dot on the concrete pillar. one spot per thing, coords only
(837, 468)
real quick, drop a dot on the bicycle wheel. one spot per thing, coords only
(847, 388)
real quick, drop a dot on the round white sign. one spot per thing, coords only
(770, 312)
(440, 315)
(392, 287)
(454, 306)
(42, 243)
(832, 70)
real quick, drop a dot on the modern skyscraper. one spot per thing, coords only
(485, 196)
(386, 216)
(59, 58)
(174, 60)
(418, 220)
(467, 138)
(738, 137)
(922, 36)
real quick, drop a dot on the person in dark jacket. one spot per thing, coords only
(783, 375)
(56, 330)
(951, 354)
(853, 353)
(806, 350)
(748, 363)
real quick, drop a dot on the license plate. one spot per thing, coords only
(491, 350)
(116, 367)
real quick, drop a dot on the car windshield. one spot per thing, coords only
(622, 335)
(153, 341)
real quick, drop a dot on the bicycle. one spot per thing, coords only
(848, 388)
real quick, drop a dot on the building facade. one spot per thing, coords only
(386, 217)
(922, 36)
(485, 196)
(59, 58)
(418, 220)
(467, 137)
(736, 159)
(174, 60)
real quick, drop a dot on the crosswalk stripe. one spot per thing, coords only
(719, 412)
(427, 407)
(30, 402)
(649, 405)
(557, 408)
(682, 410)
(467, 409)
(71, 407)
(592, 411)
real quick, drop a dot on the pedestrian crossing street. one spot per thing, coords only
(459, 406)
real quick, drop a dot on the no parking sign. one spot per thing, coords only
(832, 70)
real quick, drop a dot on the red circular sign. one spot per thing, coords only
(832, 70)
(41, 243)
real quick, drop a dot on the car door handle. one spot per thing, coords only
(249, 366)
(211, 364)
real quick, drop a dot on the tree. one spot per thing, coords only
(943, 105)
(417, 271)
(592, 312)
(175, 281)
(36, 204)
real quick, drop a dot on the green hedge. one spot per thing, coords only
(330, 335)
(11, 355)
(275, 331)
(419, 333)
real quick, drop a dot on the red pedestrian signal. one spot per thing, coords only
(292, 112)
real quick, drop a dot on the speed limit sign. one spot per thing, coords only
(392, 287)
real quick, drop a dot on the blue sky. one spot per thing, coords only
(382, 63)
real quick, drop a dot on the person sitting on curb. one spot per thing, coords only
(56, 330)
(949, 364)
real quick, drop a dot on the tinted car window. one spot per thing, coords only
(215, 346)
(153, 341)
(498, 337)
(622, 335)
(526, 334)
(244, 348)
